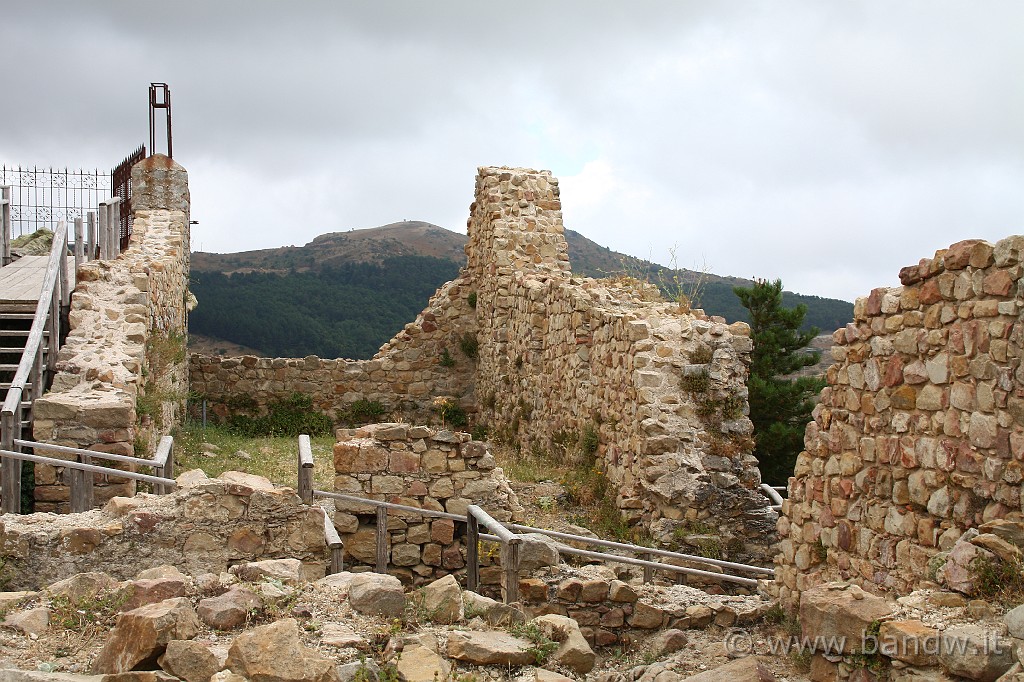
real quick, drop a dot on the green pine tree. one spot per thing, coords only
(780, 407)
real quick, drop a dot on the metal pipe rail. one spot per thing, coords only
(772, 494)
(655, 565)
(7, 454)
(81, 484)
(638, 549)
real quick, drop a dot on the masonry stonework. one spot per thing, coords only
(547, 357)
(205, 526)
(121, 376)
(919, 435)
(415, 466)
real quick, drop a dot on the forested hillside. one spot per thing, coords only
(346, 293)
(347, 310)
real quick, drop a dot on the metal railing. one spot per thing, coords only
(82, 471)
(511, 541)
(772, 493)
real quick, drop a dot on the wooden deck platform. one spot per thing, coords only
(22, 280)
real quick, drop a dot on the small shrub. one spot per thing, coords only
(701, 355)
(289, 417)
(446, 359)
(542, 647)
(999, 580)
(479, 432)
(589, 440)
(698, 382)
(362, 411)
(469, 345)
(450, 412)
(471, 299)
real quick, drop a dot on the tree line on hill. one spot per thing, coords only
(339, 311)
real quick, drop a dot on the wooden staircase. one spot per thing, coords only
(15, 323)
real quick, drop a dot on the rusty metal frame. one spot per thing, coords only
(121, 186)
(159, 98)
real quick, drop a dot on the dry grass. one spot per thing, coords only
(274, 457)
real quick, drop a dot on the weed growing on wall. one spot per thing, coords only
(446, 359)
(469, 345)
(450, 413)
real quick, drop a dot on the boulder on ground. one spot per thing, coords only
(842, 612)
(974, 652)
(141, 635)
(288, 571)
(377, 594)
(493, 611)
(748, 669)
(421, 664)
(230, 609)
(489, 648)
(274, 653)
(573, 650)
(441, 600)
(82, 586)
(150, 591)
(537, 551)
(190, 660)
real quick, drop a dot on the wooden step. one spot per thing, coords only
(20, 332)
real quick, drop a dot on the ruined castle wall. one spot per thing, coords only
(920, 433)
(420, 467)
(121, 376)
(554, 360)
(562, 358)
(404, 376)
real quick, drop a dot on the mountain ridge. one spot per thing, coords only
(402, 258)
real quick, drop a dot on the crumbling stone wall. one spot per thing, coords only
(663, 387)
(552, 358)
(919, 435)
(206, 526)
(420, 467)
(121, 377)
(404, 376)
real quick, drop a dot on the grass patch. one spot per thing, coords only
(273, 457)
(289, 417)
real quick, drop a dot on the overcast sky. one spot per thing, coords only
(826, 143)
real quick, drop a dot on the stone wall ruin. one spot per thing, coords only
(415, 466)
(547, 357)
(919, 435)
(121, 377)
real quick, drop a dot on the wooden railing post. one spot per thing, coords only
(472, 553)
(5, 225)
(101, 230)
(81, 487)
(382, 540)
(305, 470)
(334, 545)
(648, 570)
(90, 239)
(511, 570)
(79, 245)
(65, 296)
(10, 469)
(114, 219)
